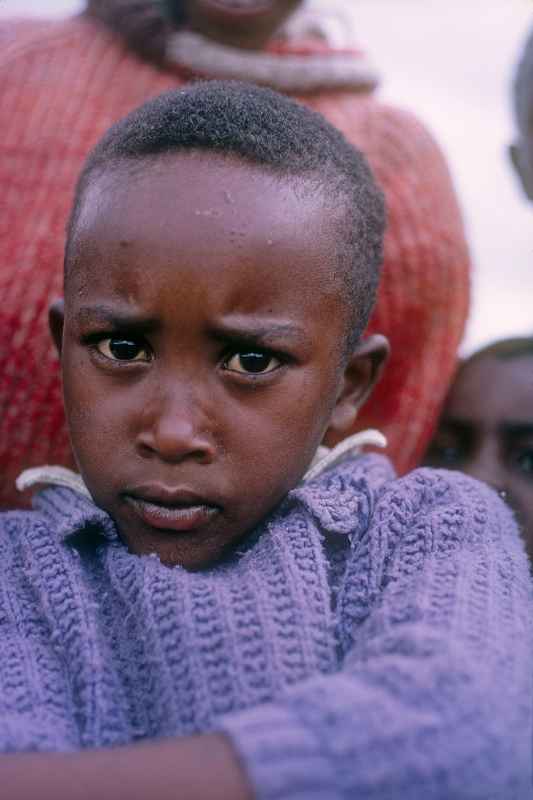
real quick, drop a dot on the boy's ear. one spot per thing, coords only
(361, 373)
(56, 321)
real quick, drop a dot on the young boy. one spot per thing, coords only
(486, 428)
(276, 627)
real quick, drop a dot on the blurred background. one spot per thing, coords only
(451, 62)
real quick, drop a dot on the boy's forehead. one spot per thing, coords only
(201, 200)
(188, 176)
(244, 228)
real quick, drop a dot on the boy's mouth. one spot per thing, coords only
(171, 510)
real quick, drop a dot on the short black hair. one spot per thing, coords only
(523, 87)
(269, 130)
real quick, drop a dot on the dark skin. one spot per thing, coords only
(486, 430)
(248, 25)
(240, 246)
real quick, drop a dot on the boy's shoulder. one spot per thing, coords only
(18, 529)
(58, 514)
(430, 487)
(447, 509)
(421, 489)
(374, 474)
(16, 521)
(19, 526)
(364, 492)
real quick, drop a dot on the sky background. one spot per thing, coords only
(450, 61)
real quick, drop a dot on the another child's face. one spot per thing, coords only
(243, 24)
(486, 430)
(201, 349)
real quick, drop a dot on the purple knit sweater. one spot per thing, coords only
(372, 640)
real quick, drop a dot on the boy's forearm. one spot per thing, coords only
(191, 768)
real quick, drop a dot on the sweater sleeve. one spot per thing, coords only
(433, 695)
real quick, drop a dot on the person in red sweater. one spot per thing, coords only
(63, 83)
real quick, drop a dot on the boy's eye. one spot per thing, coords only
(252, 363)
(118, 348)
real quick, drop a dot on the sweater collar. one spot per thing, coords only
(332, 491)
(71, 513)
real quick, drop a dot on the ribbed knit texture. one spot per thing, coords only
(61, 86)
(372, 640)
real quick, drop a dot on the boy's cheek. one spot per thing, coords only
(95, 420)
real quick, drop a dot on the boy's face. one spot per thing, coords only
(486, 430)
(201, 349)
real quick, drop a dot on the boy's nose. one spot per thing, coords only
(174, 429)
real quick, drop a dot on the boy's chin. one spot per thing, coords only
(192, 550)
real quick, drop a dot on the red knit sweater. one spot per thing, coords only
(61, 86)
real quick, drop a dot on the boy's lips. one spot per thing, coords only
(171, 509)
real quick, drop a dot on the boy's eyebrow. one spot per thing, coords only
(106, 315)
(253, 330)
(260, 330)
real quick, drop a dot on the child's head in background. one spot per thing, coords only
(522, 149)
(222, 261)
(486, 427)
